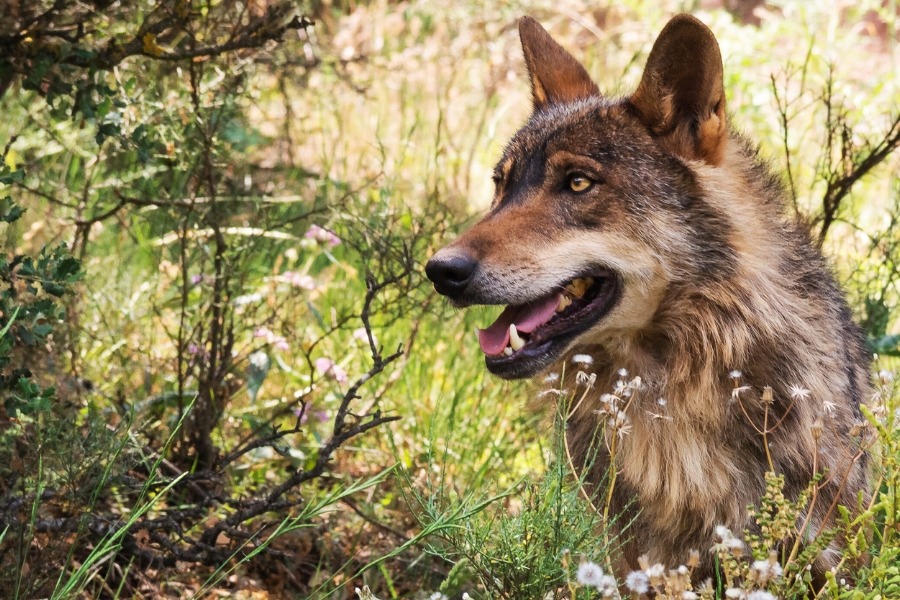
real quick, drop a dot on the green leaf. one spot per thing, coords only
(9, 210)
(887, 345)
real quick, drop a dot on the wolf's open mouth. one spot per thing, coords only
(526, 338)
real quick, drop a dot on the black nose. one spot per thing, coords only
(451, 274)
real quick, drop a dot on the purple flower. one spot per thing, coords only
(197, 278)
(326, 366)
(322, 235)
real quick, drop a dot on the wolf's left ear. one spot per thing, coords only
(556, 77)
(681, 98)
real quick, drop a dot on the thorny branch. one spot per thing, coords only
(66, 31)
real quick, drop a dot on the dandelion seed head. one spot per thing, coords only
(734, 543)
(589, 574)
(735, 374)
(623, 372)
(637, 582)
(689, 596)
(655, 571)
(760, 566)
(551, 377)
(583, 359)
(661, 401)
(760, 595)
(776, 570)
(607, 583)
(733, 593)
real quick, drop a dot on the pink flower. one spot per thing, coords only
(297, 280)
(326, 366)
(361, 335)
(322, 235)
(276, 340)
(262, 332)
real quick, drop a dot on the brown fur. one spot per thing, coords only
(714, 277)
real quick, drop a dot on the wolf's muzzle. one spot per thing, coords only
(451, 272)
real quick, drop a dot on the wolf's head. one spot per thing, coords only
(598, 211)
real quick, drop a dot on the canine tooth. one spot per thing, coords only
(507, 351)
(514, 340)
(564, 302)
(578, 287)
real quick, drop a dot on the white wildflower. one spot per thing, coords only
(583, 359)
(689, 596)
(829, 406)
(551, 377)
(623, 372)
(733, 593)
(466, 596)
(723, 532)
(438, 596)
(735, 374)
(760, 595)
(682, 570)
(885, 376)
(637, 582)
(799, 393)
(589, 574)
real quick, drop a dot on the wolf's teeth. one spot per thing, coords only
(579, 286)
(507, 351)
(514, 340)
(564, 302)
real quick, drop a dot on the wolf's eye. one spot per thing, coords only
(579, 183)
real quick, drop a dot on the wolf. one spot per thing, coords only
(644, 235)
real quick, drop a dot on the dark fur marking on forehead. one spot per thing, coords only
(525, 173)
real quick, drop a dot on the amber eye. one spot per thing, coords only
(579, 183)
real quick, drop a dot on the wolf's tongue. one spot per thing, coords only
(527, 318)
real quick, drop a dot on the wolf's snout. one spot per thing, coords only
(451, 272)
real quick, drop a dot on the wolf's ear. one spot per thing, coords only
(681, 98)
(556, 77)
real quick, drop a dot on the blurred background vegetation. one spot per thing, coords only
(221, 369)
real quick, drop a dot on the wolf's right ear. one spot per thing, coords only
(681, 97)
(556, 77)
